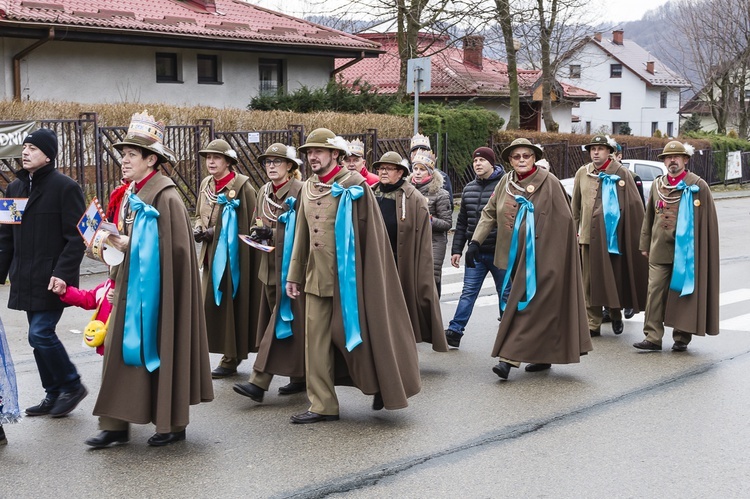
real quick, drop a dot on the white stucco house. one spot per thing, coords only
(635, 89)
(217, 53)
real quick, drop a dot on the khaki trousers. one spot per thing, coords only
(659, 276)
(112, 424)
(593, 314)
(319, 355)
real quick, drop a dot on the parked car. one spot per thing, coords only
(647, 170)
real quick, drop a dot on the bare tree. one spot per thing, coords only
(506, 24)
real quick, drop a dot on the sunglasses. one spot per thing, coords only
(519, 156)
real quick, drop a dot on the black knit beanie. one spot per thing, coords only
(45, 139)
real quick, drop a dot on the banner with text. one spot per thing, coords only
(11, 138)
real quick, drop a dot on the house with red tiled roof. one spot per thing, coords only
(637, 90)
(465, 74)
(197, 52)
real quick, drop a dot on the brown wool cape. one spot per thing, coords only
(553, 328)
(163, 397)
(416, 269)
(618, 281)
(697, 313)
(233, 324)
(386, 361)
(285, 357)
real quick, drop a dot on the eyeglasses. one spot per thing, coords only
(274, 162)
(519, 156)
(389, 168)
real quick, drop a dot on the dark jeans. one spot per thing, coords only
(55, 368)
(473, 279)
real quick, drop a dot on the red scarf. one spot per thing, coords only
(527, 174)
(604, 166)
(676, 180)
(222, 182)
(331, 174)
(277, 187)
(139, 185)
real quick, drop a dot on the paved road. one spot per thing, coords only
(622, 423)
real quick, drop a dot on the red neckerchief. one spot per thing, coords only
(426, 180)
(527, 174)
(222, 182)
(139, 185)
(604, 166)
(676, 180)
(277, 187)
(330, 175)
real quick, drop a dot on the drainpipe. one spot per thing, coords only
(350, 63)
(17, 62)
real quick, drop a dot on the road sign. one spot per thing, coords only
(418, 71)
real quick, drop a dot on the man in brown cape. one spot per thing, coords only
(680, 238)
(608, 213)
(353, 338)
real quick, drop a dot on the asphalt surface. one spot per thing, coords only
(622, 423)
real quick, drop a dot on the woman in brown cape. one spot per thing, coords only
(407, 221)
(280, 352)
(544, 320)
(231, 307)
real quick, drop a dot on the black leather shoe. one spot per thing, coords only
(629, 313)
(42, 408)
(502, 369)
(162, 439)
(292, 388)
(377, 402)
(647, 345)
(250, 390)
(223, 372)
(595, 333)
(679, 346)
(617, 327)
(453, 338)
(313, 417)
(605, 316)
(534, 368)
(67, 401)
(107, 438)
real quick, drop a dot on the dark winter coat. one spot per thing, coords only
(474, 197)
(441, 219)
(46, 243)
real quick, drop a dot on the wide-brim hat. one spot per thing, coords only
(602, 140)
(538, 152)
(279, 150)
(675, 148)
(326, 139)
(145, 132)
(222, 147)
(393, 158)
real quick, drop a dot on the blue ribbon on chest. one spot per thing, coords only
(140, 335)
(611, 208)
(683, 270)
(227, 246)
(525, 210)
(347, 262)
(285, 316)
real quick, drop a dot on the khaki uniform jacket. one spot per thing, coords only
(617, 281)
(415, 266)
(162, 397)
(386, 361)
(284, 357)
(553, 328)
(232, 325)
(697, 313)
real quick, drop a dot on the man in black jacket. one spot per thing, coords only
(43, 253)
(475, 196)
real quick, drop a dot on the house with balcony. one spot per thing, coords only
(218, 53)
(464, 74)
(637, 91)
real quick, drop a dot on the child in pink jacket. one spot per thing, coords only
(99, 298)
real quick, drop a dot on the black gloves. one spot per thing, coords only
(259, 234)
(471, 254)
(203, 236)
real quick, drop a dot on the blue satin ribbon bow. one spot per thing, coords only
(139, 342)
(683, 270)
(285, 316)
(526, 210)
(347, 262)
(227, 245)
(611, 206)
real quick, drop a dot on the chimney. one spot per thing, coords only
(473, 48)
(650, 66)
(598, 36)
(617, 36)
